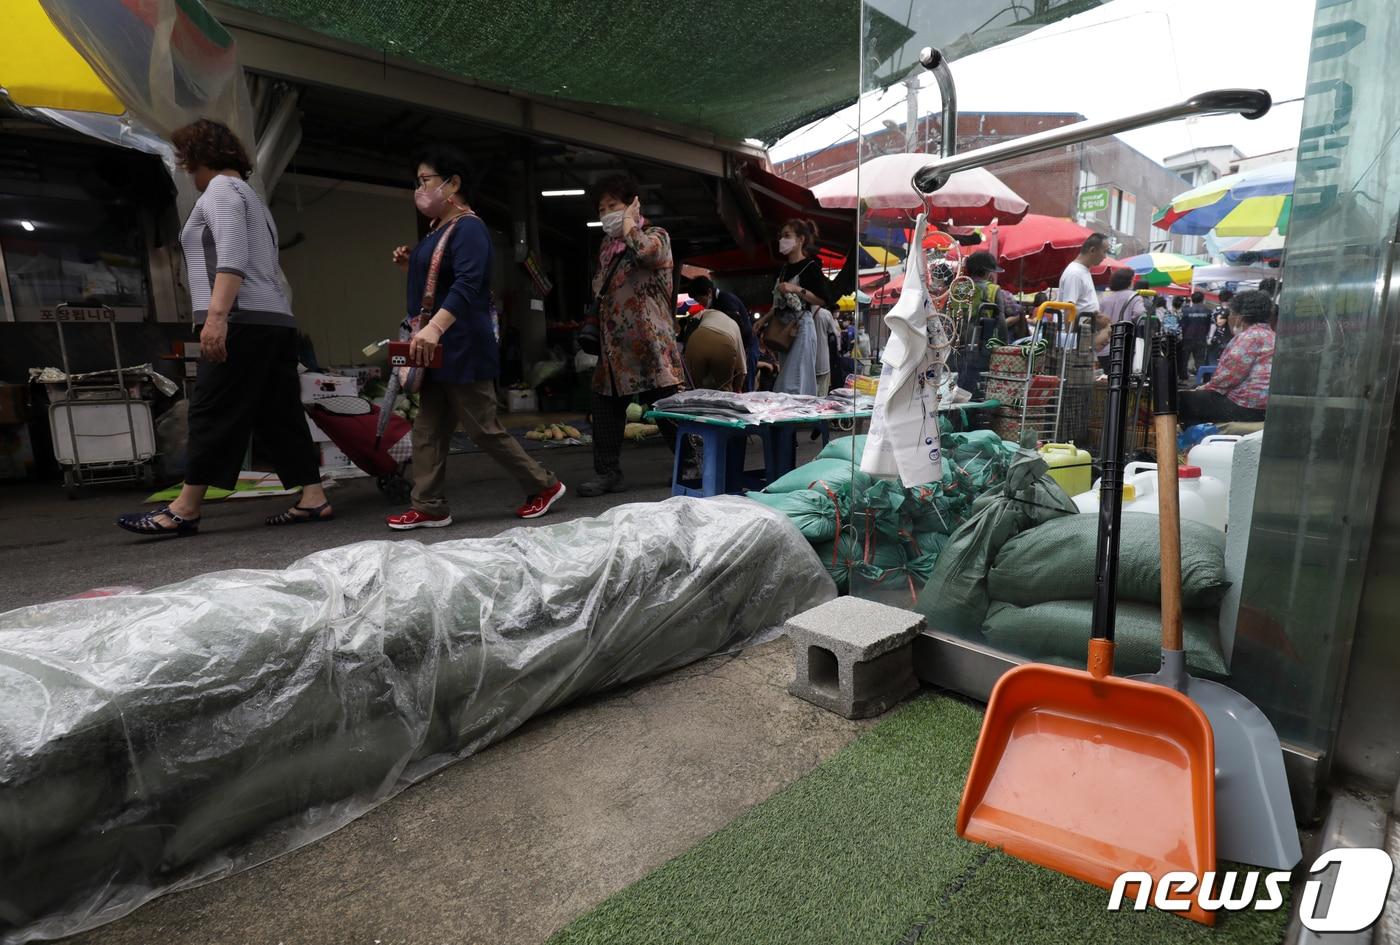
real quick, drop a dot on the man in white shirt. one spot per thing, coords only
(1077, 284)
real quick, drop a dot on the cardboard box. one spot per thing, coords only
(14, 403)
(363, 373)
(333, 458)
(318, 386)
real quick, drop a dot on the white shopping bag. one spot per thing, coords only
(903, 442)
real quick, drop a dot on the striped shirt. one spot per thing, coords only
(231, 230)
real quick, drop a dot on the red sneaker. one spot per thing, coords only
(416, 519)
(541, 503)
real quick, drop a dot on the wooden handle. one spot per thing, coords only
(1169, 527)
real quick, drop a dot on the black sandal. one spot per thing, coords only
(144, 523)
(290, 517)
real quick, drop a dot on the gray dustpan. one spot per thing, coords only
(1253, 810)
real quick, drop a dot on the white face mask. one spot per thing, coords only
(786, 245)
(612, 223)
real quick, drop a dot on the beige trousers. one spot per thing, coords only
(442, 407)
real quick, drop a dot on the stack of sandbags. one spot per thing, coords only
(956, 598)
(877, 534)
(151, 741)
(1042, 584)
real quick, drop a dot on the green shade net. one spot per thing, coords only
(731, 67)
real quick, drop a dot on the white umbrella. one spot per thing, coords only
(970, 198)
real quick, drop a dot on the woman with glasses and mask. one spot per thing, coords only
(248, 385)
(449, 300)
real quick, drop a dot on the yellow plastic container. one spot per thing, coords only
(1070, 466)
(867, 385)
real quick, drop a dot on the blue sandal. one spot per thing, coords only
(145, 523)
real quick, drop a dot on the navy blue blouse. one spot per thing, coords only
(471, 351)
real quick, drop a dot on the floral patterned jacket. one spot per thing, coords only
(635, 322)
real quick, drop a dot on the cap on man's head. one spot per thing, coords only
(982, 263)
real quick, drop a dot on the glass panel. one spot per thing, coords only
(1334, 380)
(82, 251)
(1334, 372)
(894, 534)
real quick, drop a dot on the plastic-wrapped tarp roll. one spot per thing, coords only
(156, 740)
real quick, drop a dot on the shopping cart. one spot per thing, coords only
(101, 432)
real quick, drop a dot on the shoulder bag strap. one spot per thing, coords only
(608, 276)
(426, 310)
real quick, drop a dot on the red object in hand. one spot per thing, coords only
(399, 356)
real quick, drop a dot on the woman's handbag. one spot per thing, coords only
(590, 336)
(780, 332)
(411, 378)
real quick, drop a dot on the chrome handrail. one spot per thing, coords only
(1251, 103)
(934, 61)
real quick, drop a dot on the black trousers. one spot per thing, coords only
(257, 393)
(610, 422)
(1191, 352)
(1208, 406)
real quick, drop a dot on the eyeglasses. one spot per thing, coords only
(421, 181)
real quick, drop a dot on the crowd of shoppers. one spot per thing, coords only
(247, 385)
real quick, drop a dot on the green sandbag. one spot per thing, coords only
(844, 447)
(1060, 630)
(955, 598)
(846, 556)
(1055, 561)
(880, 506)
(812, 512)
(836, 474)
(929, 545)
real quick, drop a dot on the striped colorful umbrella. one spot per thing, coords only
(1160, 269)
(1251, 203)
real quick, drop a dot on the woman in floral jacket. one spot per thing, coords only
(638, 354)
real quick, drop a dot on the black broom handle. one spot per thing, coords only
(1111, 488)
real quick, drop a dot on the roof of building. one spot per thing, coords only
(1206, 149)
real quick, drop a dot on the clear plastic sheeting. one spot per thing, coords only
(152, 741)
(168, 61)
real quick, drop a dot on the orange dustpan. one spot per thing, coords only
(1087, 774)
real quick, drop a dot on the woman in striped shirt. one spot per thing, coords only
(248, 384)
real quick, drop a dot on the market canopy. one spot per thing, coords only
(39, 68)
(731, 67)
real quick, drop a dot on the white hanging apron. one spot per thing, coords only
(903, 441)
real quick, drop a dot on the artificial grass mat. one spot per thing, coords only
(862, 851)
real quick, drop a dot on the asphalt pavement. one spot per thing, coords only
(52, 547)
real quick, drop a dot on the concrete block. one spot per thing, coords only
(854, 657)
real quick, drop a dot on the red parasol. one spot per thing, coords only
(1035, 251)
(1104, 270)
(889, 292)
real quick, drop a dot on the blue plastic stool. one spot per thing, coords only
(1204, 373)
(722, 466)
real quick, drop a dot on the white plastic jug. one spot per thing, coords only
(1133, 501)
(1202, 498)
(1206, 495)
(1215, 455)
(1139, 490)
